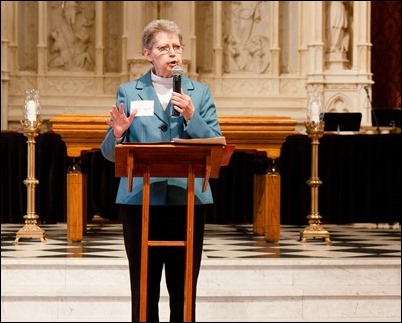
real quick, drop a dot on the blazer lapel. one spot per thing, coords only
(147, 92)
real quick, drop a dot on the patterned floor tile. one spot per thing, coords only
(105, 240)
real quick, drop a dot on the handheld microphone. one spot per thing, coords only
(177, 73)
(373, 110)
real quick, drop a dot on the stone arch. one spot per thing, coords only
(339, 103)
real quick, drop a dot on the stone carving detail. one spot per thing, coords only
(338, 103)
(138, 67)
(71, 35)
(338, 35)
(338, 27)
(245, 40)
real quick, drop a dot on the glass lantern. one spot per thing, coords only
(314, 107)
(31, 111)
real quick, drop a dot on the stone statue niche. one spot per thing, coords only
(245, 37)
(71, 35)
(338, 30)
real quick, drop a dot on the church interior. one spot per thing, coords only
(305, 224)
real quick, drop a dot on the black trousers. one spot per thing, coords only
(165, 223)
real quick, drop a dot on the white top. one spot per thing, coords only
(163, 87)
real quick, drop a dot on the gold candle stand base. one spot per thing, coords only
(30, 230)
(314, 230)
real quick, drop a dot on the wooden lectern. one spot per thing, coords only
(169, 160)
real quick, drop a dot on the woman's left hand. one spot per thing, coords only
(182, 103)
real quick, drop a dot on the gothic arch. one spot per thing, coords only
(339, 103)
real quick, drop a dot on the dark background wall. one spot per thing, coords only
(386, 53)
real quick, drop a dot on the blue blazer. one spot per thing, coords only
(163, 127)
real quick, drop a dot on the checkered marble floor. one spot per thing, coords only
(105, 240)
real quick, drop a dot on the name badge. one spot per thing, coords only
(145, 108)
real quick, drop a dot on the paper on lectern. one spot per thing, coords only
(210, 141)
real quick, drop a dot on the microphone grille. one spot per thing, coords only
(177, 70)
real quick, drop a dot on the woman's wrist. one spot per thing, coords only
(119, 139)
(118, 136)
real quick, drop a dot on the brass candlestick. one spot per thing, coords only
(315, 131)
(31, 124)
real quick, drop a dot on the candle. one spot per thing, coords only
(31, 107)
(315, 112)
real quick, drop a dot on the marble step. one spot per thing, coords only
(90, 290)
(86, 303)
(240, 272)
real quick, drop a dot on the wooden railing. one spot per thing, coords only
(264, 134)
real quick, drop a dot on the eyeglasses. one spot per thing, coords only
(163, 50)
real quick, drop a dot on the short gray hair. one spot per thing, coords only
(157, 26)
